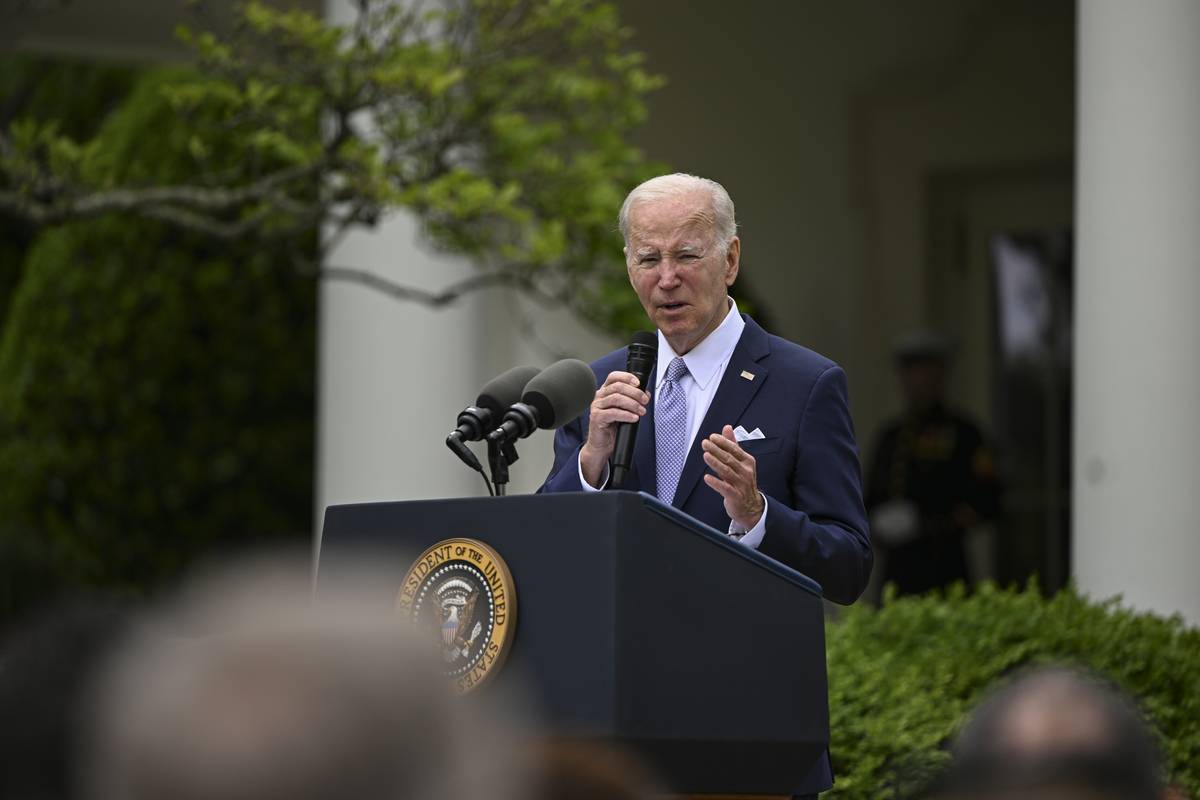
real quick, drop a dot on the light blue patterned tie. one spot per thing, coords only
(670, 429)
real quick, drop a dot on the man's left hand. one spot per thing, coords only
(735, 477)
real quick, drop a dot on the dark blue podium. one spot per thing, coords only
(636, 624)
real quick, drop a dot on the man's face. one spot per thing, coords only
(923, 381)
(678, 269)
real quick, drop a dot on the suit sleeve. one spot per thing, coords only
(564, 473)
(822, 531)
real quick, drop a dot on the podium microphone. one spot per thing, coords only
(557, 395)
(494, 399)
(640, 361)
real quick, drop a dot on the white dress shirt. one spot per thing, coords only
(706, 363)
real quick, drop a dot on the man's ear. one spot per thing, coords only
(733, 260)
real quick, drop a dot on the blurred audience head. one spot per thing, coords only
(571, 770)
(46, 666)
(1056, 733)
(260, 694)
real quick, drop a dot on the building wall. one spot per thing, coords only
(129, 30)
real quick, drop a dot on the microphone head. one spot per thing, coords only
(640, 356)
(505, 389)
(646, 339)
(561, 392)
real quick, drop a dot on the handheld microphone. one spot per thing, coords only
(494, 399)
(557, 395)
(643, 350)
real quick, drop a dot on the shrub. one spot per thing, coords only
(902, 678)
(156, 391)
(77, 96)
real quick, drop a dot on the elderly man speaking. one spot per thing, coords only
(749, 433)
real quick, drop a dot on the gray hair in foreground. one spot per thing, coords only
(247, 689)
(667, 186)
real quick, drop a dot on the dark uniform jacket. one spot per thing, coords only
(939, 461)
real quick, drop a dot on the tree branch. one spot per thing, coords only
(445, 297)
(69, 205)
(199, 223)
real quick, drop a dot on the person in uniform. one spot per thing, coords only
(931, 479)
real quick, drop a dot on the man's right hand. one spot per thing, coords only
(620, 399)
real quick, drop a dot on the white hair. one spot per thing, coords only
(287, 697)
(680, 183)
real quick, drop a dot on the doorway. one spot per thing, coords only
(1000, 287)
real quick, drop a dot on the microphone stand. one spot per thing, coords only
(500, 456)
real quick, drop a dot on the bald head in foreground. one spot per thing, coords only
(1056, 733)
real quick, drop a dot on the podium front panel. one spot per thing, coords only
(635, 624)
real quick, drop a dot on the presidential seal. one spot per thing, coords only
(460, 590)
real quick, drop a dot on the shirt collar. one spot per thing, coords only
(705, 360)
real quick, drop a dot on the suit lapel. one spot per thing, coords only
(734, 393)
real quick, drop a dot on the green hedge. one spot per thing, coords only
(156, 389)
(902, 678)
(78, 96)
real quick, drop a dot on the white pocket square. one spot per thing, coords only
(742, 435)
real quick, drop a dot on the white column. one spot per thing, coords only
(392, 374)
(1136, 529)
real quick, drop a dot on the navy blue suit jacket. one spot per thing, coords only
(807, 463)
(808, 466)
